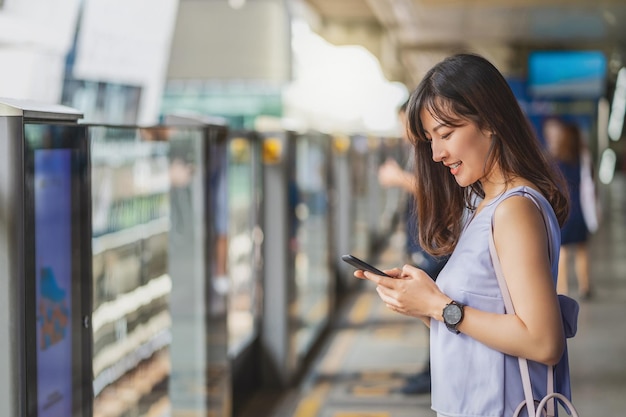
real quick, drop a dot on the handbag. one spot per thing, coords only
(589, 201)
(569, 310)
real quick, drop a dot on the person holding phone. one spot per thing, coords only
(475, 148)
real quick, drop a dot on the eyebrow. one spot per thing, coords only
(435, 129)
(439, 126)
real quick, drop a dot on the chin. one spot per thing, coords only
(462, 183)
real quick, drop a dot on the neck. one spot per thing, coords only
(494, 184)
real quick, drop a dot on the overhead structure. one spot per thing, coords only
(407, 36)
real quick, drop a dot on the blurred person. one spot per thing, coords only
(564, 143)
(391, 174)
(475, 148)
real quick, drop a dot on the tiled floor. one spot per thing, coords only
(371, 348)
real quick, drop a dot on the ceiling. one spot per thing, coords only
(408, 36)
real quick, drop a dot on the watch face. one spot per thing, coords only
(452, 314)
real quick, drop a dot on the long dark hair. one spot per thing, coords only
(461, 88)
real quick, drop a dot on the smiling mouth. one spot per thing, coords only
(454, 168)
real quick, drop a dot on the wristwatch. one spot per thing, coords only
(453, 315)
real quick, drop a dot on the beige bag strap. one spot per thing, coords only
(548, 402)
(508, 304)
(523, 364)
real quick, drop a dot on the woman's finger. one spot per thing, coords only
(387, 296)
(388, 282)
(395, 272)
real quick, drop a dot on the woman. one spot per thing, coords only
(474, 147)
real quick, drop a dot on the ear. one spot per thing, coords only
(489, 132)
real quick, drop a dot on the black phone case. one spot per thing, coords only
(359, 264)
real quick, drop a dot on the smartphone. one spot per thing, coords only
(359, 264)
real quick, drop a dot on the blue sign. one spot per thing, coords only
(567, 74)
(53, 240)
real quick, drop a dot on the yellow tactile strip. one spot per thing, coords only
(342, 388)
(310, 405)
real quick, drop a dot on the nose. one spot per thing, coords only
(438, 150)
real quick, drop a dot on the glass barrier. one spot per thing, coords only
(308, 202)
(394, 198)
(244, 239)
(384, 205)
(158, 326)
(131, 321)
(199, 378)
(361, 191)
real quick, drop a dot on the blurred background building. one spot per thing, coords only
(323, 64)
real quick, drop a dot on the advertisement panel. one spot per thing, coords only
(53, 285)
(57, 271)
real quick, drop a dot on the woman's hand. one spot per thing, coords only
(410, 292)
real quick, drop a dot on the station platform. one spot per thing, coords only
(371, 349)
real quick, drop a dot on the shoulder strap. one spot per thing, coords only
(508, 303)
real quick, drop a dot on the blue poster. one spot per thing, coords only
(53, 275)
(567, 74)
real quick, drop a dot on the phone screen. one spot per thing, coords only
(359, 264)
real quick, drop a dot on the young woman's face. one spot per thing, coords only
(463, 149)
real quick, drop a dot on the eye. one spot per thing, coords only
(445, 135)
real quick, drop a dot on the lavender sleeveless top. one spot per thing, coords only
(469, 378)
